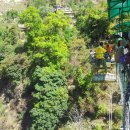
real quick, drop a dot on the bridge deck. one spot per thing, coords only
(108, 77)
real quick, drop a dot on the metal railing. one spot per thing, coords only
(125, 94)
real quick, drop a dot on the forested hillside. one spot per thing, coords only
(45, 72)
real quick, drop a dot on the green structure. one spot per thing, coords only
(117, 9)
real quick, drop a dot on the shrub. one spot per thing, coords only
(11, 14)
(118, 113)
(13, 72)
(10, 35)
(98, 127)
(102, 110)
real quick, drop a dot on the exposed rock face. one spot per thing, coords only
(8, 1)
(12, 4)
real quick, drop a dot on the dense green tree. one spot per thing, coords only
(50, 45)
(50, 98)
(32, 20)
(57, 26)
(93, 23)
(97, 25)
(52, 52)
(48, 48)
(56, 23)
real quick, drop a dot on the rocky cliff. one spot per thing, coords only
(6, 5)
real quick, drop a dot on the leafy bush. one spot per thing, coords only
(13, 72)
(83, 80)
(7, 57)
(2, 108)
(32, 20)
(10, 35)
(50, 98)
(98, 127)
(102, 110)
(11, 14)
(118, 113)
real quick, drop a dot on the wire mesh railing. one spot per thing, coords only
(124, 77)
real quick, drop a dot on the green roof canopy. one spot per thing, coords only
(118, 7)
(113, 3)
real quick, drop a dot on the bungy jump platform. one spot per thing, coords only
(108, 77)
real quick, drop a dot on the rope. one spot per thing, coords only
(110, 109)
